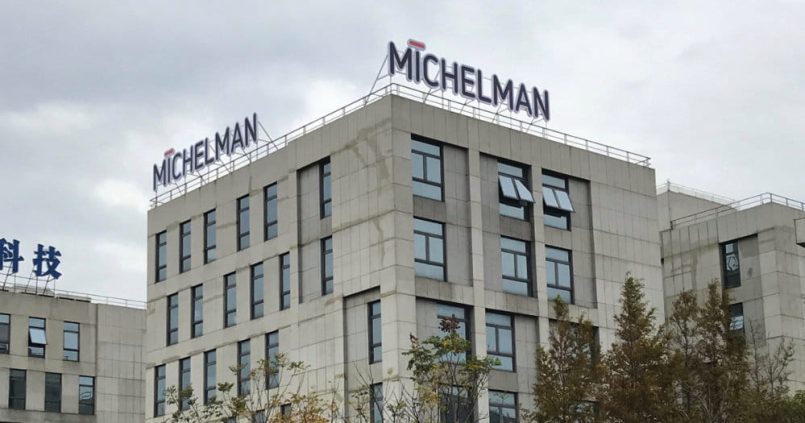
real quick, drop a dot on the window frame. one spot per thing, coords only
(270, 201)
(5, 333)
(255, 280)
(159, 394)
(53, 405)
(272, 350)
(161, 243)
(503, 406)
(522, 205)
(556, 263)
(558, 212)
(528, 281)
(733, 326)
(34, 346)
(325, 166)
(82, 402)
(243, 221)
(230, 277)
(427, 261)
(374, 344)
(185, 257)
(731, 279)
(197, 311)
(184, 370)
(244, 356)
(77, 349)
(376, 406)
(327, 281)
(210, 224)
(172, 326)
(285, 292)
(497, 352)
(425, 155)
(21, 377)
(210, 364)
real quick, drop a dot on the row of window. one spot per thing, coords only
(430, 252)
(515, 196)
(37, 337)
(272, 343)
(18, 387)
(243, 232)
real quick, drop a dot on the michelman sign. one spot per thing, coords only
(466, 81)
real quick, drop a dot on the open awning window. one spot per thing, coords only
(37, 336)
(556, 198)
(514, 189)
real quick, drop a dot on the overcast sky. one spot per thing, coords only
(92, 93)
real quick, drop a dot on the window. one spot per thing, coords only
(500, 340)
(71, 341)
(37, 340)
(376, 403)
(243, 222)
(161, 256)
(184, 247)
(230, 301)
(210, 385)
(209, 237)
(556, 201)
(514, 264)
(515, 196)
(5, 333)
(285, 410)
(197, 311)
(259, 417)
(256, 288)
(86, 395)
(159, 390)
(270, 217)
(326, 189)
(737, 317)
(272, 350)
(173, 319)
(375, 333)
(184, 381)
(53, 392)
(244, 366)
(16, 389)
(426, 170)
(558, 268)
(502, 407)
(731, 265)
(455, 407)
(285, 281)
(327, 266)
(429, 249)
(445, 312)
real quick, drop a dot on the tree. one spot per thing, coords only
(636, 387)
(568, 373)
(768, 377)
(793, 408)
(684, 337)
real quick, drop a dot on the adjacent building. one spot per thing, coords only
(750, 247)
(375, 222)
(70, 357)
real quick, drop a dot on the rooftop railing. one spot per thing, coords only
(34, 289)
(267, 147)
(746, 203)
(693, 192)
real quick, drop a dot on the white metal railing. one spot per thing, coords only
(267, 147)
(746, 203)
(70, 295)
(693, 192)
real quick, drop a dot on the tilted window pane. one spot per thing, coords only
(523, 192)
(564, 200)
(549, 197)
(507, 187)
(37, 336)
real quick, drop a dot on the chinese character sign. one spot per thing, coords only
(45, 259)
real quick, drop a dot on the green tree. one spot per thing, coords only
(794, 408)
(636, 387)
(768, 377)
(685, 362)
(568, 372)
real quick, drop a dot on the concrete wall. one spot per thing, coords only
(614, 231)
(674, 205)
(110, 350)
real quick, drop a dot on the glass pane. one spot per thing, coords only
(507, 188)
(505, 341)
(491, 339)
(523, 191)
(559, 222)
(550, 272)
(37, 336)
(506, 363)
(420, 249)
(510, 170)
(271, 211)
(422, 189)
(515, 287)
(507, 264)
(549, 197)
(553, 181)
(512, 244)
(498, 319)
(444, 310)
(427, 226)
(326, 187)
(522, 267)
(434, 169)
(436, 250)
(71, 340)
(327, 209)
(376, 334)
(728, 248)
(556, 254)
(517, 212)
(564, 200)
(69, 326)
(564, 295)
(429, 271)
(563, 275)
(417, 166)
(3, 318)
(425, 148)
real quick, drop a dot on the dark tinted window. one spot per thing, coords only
(230, 300)
(184, 381)
(161, 261)
(285, 281)
(197, 311)
(209, 236)
(5, 333)
(210, 375)
(16, 389)
(375, 333)
(326, 189)
(86, 395)
(426, 170)
(257, 288)
(731, 265)
(159, 390)
(243, 222)
(53, 392)
(244, 367)
(37, 338)
(271, 217)
(184, 247)
(272, 350)
(173, 319)
(327, 265)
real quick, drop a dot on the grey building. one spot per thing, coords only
(750, 246)
(375, 221)
(68, 357)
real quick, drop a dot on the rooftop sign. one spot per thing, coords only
(466, 81)
(176, 165)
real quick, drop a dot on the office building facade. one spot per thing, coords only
(750, 247)
(338, 246)
(67, 357)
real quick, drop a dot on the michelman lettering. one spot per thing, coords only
(467, 82)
